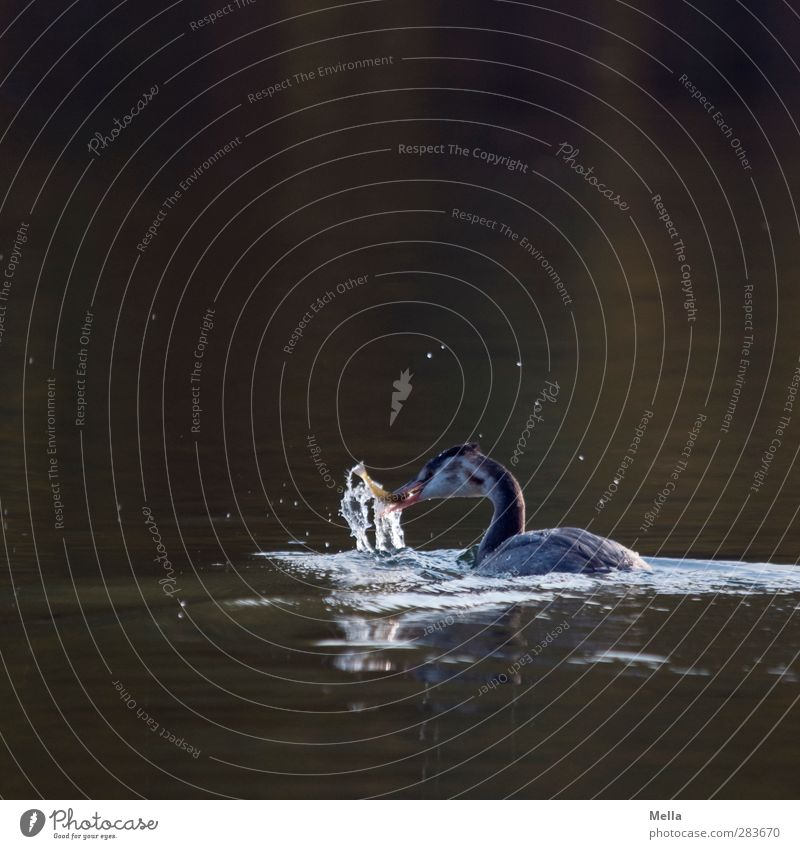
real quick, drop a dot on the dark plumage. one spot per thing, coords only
(558, 550)
(463, 471)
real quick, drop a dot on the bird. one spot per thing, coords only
(506, 549)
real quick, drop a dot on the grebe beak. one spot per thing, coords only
(404, 497)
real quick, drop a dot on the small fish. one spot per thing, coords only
(380, 494)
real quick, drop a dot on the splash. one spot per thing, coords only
(361, 508)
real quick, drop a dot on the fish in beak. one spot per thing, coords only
(405, 496)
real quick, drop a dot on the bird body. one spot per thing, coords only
(559, 550)
(506, 549)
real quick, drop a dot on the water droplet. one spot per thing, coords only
(227, 515)
(295, 504)
(443, 347)
(327, 545)
(183, 603)
(429, 355)
(180, 616)
(153, 317)
(519, 363)
(30, 361)
(580, 456)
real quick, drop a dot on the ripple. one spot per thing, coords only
(441, 580)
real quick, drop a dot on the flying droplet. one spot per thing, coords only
(519, 363)
(580, 456)
(429, 355)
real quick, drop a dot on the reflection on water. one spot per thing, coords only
(432, 604)
(361, 674)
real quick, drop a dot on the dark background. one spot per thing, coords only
(317, 193)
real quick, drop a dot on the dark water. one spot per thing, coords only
(356, 674)
(310, 266)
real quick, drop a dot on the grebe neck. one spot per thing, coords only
(509, 507)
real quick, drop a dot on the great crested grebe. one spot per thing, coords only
(464, 472)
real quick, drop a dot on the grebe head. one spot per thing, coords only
(459, 472)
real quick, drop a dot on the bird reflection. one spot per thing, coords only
(434, 646)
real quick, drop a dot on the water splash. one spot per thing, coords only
(362, 511)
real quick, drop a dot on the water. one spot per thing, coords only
(399, 672)
(435, 681)
(362, 511)
(306, 654)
